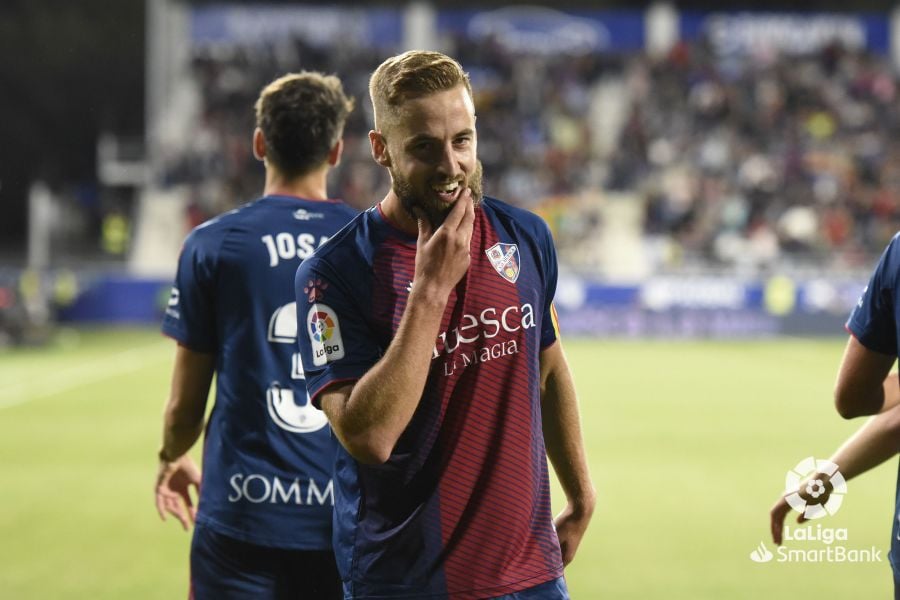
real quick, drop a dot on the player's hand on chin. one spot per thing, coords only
(442, 254)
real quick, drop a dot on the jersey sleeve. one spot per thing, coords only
(549, 321)
(190, 317)
(873, 320)
(335, 339)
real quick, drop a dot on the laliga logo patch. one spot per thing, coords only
(324, 331)
(505, 258)
(321, 326)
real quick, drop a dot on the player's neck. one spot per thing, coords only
(397, 216)
(311, 186)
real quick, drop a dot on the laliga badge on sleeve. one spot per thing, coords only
(324, 331)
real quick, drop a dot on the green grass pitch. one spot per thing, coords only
(688, 442)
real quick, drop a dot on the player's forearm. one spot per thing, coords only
(875, 442)
(891, 390)
(384, 400)
(178, 438)
(183, 419)
(563, 438)
(565, 448)
(182, 423)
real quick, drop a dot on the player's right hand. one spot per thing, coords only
(173, 490)
(442, 255)
(779, 511)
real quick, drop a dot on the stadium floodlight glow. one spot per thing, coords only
(814, 487)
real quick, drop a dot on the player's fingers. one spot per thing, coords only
(776, 519)
(777, 527)
(176, 508)
(458, 210)
(468, 219)
(189, 504)
(425, 230)
(566, 552)
(171, 503)
(776, 524)
(161, 506)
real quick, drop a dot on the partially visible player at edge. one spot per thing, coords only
(865, 386)
(263, 523)
(432, 346)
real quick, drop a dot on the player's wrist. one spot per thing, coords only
(165, 456)
(429, 295)
(583, 504)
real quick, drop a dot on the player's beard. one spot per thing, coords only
(432, 208)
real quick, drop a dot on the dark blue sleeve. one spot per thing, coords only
(549, 323)
(334, 336)
(873, 320)
(190, 316)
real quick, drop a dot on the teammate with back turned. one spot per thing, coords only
(866, 386)
(432, 345)
(263, 523)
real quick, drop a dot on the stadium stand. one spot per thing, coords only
(743, 162)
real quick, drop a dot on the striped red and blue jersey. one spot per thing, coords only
(461, 508)
(267, 453)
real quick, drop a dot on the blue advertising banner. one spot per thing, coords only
(318, 25)
(732, 33)
(543, 30)
(706, 307)
(118, 299)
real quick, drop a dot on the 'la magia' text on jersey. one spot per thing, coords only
(462, 506)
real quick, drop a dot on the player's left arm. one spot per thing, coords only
(862, 386)
(565, 448)
(877, 441)
(192, 376)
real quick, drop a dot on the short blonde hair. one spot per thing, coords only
(412, 75)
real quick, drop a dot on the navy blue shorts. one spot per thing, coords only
(552, 590)
(224, 568)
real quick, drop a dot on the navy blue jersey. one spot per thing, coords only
(875, 323)
(462, 506)
(268, 453)
(875, 318)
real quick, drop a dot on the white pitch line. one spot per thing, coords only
(104, 367)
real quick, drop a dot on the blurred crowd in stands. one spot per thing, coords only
(765, 159)
(749, 162)
(215, 157)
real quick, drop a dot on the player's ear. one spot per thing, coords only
(259, 144)
(379, 148)
(334, 155)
